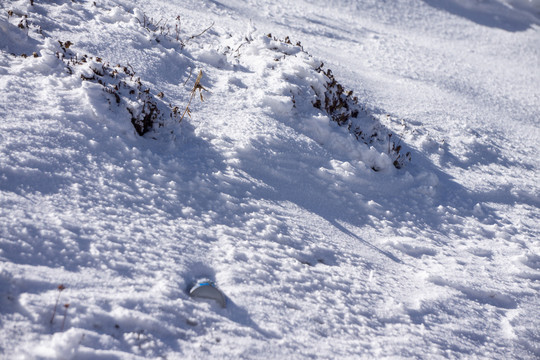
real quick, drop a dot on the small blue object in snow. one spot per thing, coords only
(206, 289)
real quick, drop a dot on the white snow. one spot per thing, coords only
(325, 239)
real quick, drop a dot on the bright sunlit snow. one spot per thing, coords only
(261, 179)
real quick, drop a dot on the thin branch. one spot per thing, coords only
(205, 30)
(189, 77)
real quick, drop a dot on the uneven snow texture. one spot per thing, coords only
(322, 247)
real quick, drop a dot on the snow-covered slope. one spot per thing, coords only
(399, 220)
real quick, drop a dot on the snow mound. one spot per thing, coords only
(121, 87)
(14, 40)
(298, 87)
(112, 91)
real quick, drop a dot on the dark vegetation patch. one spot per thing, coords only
(122, 88)
(345, 109)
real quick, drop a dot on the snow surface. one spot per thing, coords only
(318, 254)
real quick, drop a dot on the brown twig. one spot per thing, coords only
(196, 86)
(189, 77)
(60, 288)
(205, 30)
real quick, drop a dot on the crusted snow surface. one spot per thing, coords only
(258, 172)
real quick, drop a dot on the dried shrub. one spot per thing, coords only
(196, 86)
(122, 86)
(161, 30)
(342, 107)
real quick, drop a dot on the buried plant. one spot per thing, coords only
(332, 99)
(161, 30)
(24, 22)
(344, 109)
(123, 88)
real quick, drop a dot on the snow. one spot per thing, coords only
(327, 240)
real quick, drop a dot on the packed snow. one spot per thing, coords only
(349, 179)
